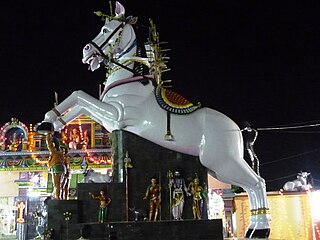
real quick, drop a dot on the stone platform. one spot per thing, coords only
(159, 230)
(127, 192)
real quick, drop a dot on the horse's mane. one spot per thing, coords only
(139, 68)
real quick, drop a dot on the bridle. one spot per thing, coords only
(110, 59)
(99, 48)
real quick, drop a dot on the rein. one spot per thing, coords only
(106, 41)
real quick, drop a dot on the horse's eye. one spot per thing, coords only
(104, 30)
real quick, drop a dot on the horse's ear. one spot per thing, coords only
(119, 10)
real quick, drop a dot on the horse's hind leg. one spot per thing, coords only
(232, 169)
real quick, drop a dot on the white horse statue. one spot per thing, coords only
(298, 185)
(130, 102)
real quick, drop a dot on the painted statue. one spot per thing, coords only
(298, 185)
(153, 196)
(67, 177)
(135, 99)
(104, 203)
(56, 164)
(198, 196)
(178, 189)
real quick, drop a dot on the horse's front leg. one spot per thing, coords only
(81, 103)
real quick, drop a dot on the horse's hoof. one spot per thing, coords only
(258, 233)
(44, 127)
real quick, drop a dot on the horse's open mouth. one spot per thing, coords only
(92, 61)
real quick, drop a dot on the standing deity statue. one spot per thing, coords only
(56, 164)
(74, 138)
(67, 177)
(198, 196)
(153, 195)
(178, 189)
(104, 203)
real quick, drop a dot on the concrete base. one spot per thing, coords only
(173, 230)
(148, 160)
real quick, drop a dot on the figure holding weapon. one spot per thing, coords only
(177, 188)
(198, 196)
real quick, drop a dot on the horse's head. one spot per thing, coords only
(115, 39)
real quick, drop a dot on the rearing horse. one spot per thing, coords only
(128, 102)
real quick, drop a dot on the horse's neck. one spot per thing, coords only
(121, 76)
(128, 48)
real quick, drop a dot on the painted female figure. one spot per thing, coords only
(153, 195)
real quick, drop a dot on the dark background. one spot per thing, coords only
(252, 60)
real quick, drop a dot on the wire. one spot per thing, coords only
(291, 126)
(283, 131)
(317, 180)
(276, 179)
(293, 156)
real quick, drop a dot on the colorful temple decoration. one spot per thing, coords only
(291, 215)
(22, 149)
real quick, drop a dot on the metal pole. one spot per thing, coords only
(127, 194)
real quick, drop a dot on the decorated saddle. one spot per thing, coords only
(174, 102)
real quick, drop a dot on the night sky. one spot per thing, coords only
(254, 61)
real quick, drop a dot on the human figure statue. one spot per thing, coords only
(153, 196)
(67, 176)
(85, 142)
(197, 193)
(14, 143)
(74, 138)
(56, 163)
(178, 189)
(250, 138)
(104, 203)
